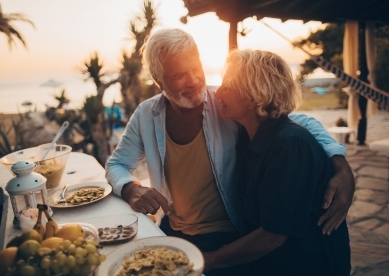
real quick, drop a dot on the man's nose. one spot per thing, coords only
(192, 79)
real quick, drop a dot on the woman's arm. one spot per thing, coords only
(245, 250)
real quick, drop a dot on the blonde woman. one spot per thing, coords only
(285, 171)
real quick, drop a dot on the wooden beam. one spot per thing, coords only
(233, 36)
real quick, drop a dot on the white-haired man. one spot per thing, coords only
(190, 153)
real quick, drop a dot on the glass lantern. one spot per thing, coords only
(26, 189)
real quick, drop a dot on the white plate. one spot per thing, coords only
(113, 264)
(55, 195)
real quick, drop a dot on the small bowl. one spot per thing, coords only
(125, 225)
(90, 230)
(52, 167)
(28, 218)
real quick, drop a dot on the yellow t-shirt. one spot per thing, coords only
(197, 205)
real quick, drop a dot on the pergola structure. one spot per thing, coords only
(326, 11)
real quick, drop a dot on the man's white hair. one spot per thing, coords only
(163, 44)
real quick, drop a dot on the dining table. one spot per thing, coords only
(81, 168)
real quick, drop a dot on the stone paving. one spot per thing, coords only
(368, 217)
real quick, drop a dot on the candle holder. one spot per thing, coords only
(26, 189)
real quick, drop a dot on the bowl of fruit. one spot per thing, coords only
(52, 250)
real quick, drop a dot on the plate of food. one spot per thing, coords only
(154, 255)
(79, 194)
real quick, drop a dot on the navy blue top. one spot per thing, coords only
(286, 172)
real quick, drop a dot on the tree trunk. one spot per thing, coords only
(100, 139)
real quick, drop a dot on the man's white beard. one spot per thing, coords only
(184, 102)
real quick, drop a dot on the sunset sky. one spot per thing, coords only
(68, 31)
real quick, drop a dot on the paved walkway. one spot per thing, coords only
(368, 217)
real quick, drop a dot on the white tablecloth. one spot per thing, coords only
(81, 168)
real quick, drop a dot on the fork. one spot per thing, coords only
(62, 199)
(183, 270)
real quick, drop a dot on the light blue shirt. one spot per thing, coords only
(144, 137)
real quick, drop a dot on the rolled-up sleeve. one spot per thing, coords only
(126, 157)
(329, 144)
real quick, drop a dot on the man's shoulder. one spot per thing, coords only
(150, 103)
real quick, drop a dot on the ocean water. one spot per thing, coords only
(14, 93)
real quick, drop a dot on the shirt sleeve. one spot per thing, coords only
(289, 185)
(329, 144)
(126, 157)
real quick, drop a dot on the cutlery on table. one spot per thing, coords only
(62, 199)
(183, 270)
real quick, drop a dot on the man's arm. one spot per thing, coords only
(338, 195)
(123, 161)
(340, 190)
(247, 249)
(143, 199)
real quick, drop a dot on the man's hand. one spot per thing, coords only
(338, 195)
(144, 200)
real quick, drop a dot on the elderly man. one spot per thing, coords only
(190, 152)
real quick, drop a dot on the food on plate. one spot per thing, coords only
(85, 195)
(114, 235)
(154, 261)
(71, 232)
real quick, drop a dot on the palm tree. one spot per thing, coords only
(62, 99)
(9, 30)
(131, 88)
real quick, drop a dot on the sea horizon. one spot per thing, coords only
(14, 93)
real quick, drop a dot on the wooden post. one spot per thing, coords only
(364, 71)
(233, 35)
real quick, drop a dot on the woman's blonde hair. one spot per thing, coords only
(264, 78)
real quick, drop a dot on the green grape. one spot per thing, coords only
(72, 249)
(92, 259)
(65, 270)
(45, 262)
(27, 270)
(55, 266)
(70, 261)
(80, 251)
(61, 258)
(92, 242)
(80, 259)
(76, 270)
(90, 248)
(43, 251)
(79, 241)
(66, 244)
(86, 269)
(102, 258)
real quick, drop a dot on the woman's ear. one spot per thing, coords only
(251, 104)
